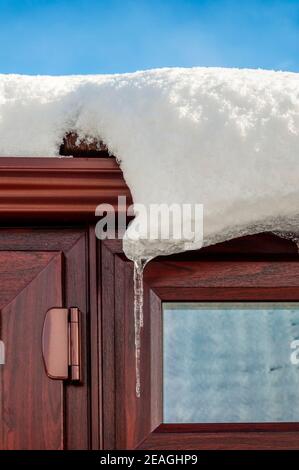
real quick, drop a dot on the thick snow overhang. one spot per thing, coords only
(224, 138)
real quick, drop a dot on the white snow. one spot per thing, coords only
(226, 138)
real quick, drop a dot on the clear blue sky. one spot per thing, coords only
(96, 36)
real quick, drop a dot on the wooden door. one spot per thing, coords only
(37, 412)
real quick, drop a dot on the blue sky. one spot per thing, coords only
(76, 36)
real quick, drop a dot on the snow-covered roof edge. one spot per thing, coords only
(224, 138)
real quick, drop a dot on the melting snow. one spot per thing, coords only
(226, 138)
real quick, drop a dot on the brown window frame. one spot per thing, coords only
(262, 268)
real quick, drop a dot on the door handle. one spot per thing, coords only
(61, 344)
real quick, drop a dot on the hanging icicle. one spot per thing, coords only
(139, 266)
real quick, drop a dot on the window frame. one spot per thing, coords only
(257, 268)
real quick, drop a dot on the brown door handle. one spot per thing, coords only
(61, 346)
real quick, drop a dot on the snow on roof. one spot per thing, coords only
(226, 138)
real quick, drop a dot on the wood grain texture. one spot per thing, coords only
(222, 441)
(133, 415)
(32, 405)
(77, 396)
(241, 273)
(198, 294)
(156, 353)
(18, 270)
(56, 189)
(38, 238)
(224, 427)
(95, 355)
(108, 345)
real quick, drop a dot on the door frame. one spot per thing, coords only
(41, 199)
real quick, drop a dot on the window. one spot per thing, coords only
(253, 285)
(230, 362)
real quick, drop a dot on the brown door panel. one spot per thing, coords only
(31, 404)
(36, 411)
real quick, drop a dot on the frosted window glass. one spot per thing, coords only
(230, 363)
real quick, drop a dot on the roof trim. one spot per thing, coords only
(53, 189)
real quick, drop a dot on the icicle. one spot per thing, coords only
(139, 266)
(138, 291)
